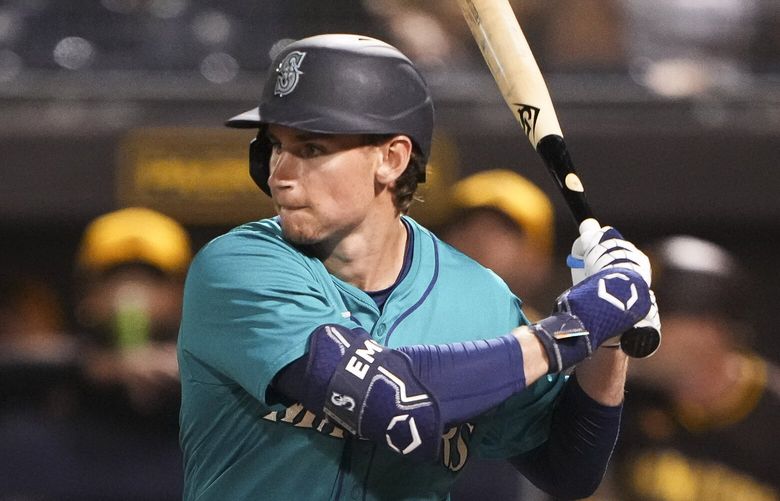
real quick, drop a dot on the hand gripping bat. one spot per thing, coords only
(505, 49)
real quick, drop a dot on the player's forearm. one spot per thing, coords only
(573, 460)
(445, 383)
(368, 389)
(603, 376)
(535, 361)
(469, 378)
(465, 378)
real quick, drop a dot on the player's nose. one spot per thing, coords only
(284, 170)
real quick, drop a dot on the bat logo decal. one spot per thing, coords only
(527, 116)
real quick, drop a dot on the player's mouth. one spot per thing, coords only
(289, 208)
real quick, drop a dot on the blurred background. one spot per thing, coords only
(671, 109)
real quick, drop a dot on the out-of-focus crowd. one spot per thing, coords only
(676, 47)
(90, 410)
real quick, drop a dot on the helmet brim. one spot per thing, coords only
(247, 120)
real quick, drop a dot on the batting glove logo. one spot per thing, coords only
(407, 428)
(288, 73)
(605, 293)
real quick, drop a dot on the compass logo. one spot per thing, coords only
(288, 73)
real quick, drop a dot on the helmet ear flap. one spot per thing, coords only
(259, 156)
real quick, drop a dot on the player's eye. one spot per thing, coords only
(274, 144)
(310, 150)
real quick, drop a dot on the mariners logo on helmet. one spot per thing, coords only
(288, 73)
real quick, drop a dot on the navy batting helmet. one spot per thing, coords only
(340, 84)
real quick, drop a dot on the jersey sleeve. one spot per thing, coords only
(250, 304)
(521, 423)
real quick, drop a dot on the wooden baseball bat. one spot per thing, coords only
(508, 55)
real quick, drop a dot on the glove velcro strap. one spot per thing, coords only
(565, 340)
(374, 394)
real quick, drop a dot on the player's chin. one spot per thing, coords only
(298, 238)
(300, 232)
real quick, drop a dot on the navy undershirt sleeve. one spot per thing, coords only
(469, 378)
(573, 461)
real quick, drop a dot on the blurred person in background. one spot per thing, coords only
(36, 352)
(506, 223)
(702, 415)
(116, 434)
(130, 273)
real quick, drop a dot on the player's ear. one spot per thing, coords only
(396, 153)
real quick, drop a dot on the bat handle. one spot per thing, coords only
(559, 164)
(637, 342)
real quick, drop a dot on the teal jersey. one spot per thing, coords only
(251, 301)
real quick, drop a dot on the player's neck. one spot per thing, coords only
(369, 258)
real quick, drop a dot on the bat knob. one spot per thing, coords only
(589, 224)
(640, 342)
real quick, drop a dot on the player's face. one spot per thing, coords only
(322, 185)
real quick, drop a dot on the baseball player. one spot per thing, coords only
(341, 351)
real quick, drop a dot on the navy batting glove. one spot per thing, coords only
(599, 307)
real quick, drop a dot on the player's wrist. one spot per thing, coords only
(613, 343)
(564, 340)
(536, 361)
